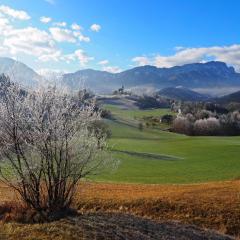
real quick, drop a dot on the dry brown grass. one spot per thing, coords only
(211, 205)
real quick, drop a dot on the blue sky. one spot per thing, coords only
(115, 35)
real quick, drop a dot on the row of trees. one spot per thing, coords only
(49, 141)
(208, 123)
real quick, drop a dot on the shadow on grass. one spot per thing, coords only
(149, 155)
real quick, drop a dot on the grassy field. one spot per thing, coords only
(144, 155)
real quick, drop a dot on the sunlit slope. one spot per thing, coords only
(155, 156)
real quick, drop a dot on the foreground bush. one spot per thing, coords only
(46, 146)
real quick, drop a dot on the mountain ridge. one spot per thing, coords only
(210, 74)
(195, 75)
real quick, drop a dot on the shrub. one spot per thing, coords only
(204, 114)
(207, 126)
(106, 114)
(182, 125)
(46, 146)
(167, 118)
(190, 117)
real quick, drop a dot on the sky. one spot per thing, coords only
(115, 35)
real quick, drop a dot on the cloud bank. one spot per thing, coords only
(45, 44)
(229, 54)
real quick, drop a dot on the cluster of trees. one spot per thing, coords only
(205, 122)
(195, 107)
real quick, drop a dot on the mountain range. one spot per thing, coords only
(197, 75)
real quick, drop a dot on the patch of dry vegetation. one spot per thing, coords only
(106, 226)
(211, 205)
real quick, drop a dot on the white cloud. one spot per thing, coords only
(103, 62)
(83, 38)
(66, 35)
(62, 35)
(112, 69)
(51, 56)
(60, 24)
(182, 57)
(141, 61)
(95, 27)
(5, 27)
(18, 14)
(229, 54)
(45, 19)
(82, 57)
(30, 41)
(79, 55)
(75, 26)
(39, 44)
(4, 22)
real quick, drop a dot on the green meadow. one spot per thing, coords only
(153, 156)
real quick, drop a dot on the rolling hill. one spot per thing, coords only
(233, 97)
(183, 94)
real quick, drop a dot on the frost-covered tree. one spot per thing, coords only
(182, 125)
(207, 126)
(46, 146)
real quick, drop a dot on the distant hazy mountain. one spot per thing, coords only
(96, 80)
(19, 72)
(208, 75)
(233, 97)
(196, 75)
(183, 94)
